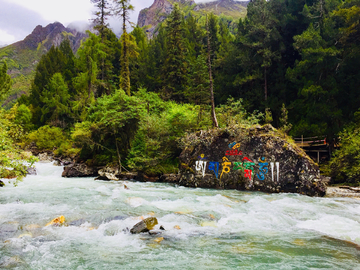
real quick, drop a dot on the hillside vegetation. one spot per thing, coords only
(129, 101)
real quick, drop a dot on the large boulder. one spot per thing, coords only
(255, 158)
(79, 170)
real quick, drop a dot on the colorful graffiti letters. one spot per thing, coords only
(214, 166)
(226, 166)
(263, 169)
(246, 165)
(233, 153)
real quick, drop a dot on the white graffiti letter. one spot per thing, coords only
(201, 166)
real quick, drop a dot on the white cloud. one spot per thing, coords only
(64, 11)
(6, 38)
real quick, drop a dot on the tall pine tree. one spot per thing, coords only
(175, 66)
(122, 9)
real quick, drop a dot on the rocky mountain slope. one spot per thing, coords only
(23, 56)
(160, 9)
(235, 9)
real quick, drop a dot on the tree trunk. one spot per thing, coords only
(125, 72)
(213, 114)
(265, 84)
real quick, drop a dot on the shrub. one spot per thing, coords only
(47, 138)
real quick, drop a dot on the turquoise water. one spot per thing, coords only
(205, 229)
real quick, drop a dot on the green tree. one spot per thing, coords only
(122, 9)
(56, 102)
(345, 163)
(262, 39)
(5, 81)
(101, 16)
(110, 126)
(87, 83)
(315, 76)
(57, 60)
(175, 66)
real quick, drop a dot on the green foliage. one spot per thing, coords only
(46, 137)
(345, 164)
(122, 10)
(13, 162)
(298, 61)
(56, 101)
(5, 81)
(155, 148)
(268, 116)
(174, 70)
(285, 126)
(233, 113)
(111, 125)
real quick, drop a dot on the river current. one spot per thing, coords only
(204, 228)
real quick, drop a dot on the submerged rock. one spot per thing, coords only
(77, 222)
(159, 239)
(2, 184)
(56, 221)
(144, 225)
(258, 158)
(8, 230)
(113, 173)
(106, 220)
(31, 171)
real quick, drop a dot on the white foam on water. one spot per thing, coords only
(334, 226)
(204, 228)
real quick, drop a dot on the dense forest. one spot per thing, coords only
(128, 101)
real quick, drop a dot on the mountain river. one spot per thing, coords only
(204, 228)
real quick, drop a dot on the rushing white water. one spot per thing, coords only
(205, 229)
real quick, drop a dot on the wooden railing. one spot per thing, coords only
(310, 141)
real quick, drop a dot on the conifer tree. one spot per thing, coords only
(122, 9)
(175, 66)
(5, 81)
(102, 13)
(56, 106)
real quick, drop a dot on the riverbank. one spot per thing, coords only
(343, 191)
(107, 174)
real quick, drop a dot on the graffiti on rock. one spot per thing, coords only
(201, 166)
(214, 166)
(246, 165)
(226, 166)
(277, 171)
(263, 169)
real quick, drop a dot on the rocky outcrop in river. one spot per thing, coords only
(257, 158)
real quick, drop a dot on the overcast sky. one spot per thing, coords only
(19, 17)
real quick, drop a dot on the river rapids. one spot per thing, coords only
(204, 228)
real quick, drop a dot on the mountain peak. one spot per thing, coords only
(52, 34)
(160, 9)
